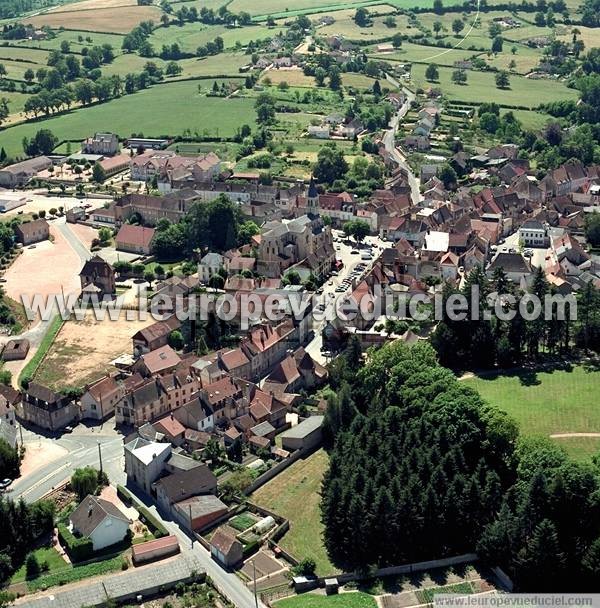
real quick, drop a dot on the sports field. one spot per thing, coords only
(294, 494)
(166, 109)
(560, 402)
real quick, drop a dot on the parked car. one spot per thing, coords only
(5, 483)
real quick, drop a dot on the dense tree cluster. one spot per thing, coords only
(478, 342)
(418, 465)
(216, 225)
(421, 467)
(547, 532)
(9, 9)
(22, 525)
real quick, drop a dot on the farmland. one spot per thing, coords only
(523, 92)
(294, 495)
(120, 20)
(167, 108)
(549, 403)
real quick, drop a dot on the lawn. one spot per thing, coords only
(16, 101)
(481, 87)
(242, 522)
(344, 600)
(426, 596)
(166, 109)
(548, 403)
(294, 494)
(45, 554)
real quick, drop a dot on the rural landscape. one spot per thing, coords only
(299, 303)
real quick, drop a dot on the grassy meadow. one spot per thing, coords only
(549, 403)
(166, 109)
(294, 494)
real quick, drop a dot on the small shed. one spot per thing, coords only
(305, 583)
(155, 549)
(15, 350)
(226, 549)
(303, 436)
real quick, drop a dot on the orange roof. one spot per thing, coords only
(170, 425)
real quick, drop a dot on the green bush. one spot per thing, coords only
(157, 529)
(155, 526)
(79, 549)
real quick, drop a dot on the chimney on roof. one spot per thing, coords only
(90, 507)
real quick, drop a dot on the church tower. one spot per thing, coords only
(312, 197)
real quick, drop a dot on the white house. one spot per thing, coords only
(533, 234)
(99, 520)
(210, 265)
(144, 462)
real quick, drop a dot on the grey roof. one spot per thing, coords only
(510, 262)
(183, 463)
(91, 512)
(201, 505)
(120, 586)
(263, 429)
(185, 483)
(305, 428)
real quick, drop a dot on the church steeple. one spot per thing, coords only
(312, 195)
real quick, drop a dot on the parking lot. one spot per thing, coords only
(537, 257)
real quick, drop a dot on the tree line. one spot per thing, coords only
(478, 342)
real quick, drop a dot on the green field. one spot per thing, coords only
(72, 37)
(481, 87)
(548, 403)
(345, 26)
(344, 600)
(191, 35)
(294, 494)
(166, 109)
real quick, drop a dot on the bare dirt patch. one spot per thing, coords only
(47, 269)
(119, 20)
(83, 350)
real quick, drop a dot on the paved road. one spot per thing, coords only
(329, 295)
(80, 249)
(389, 141)
(82, 450)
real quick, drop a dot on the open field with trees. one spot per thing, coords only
(164, 109)
(522, 92)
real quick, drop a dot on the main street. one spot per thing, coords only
(389, 141)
